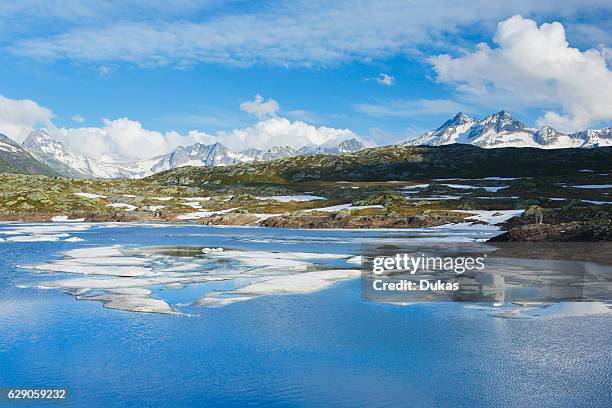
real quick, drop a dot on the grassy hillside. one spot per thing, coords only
(399, 163)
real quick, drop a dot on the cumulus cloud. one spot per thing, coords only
(18, 117)
(78, 118)
(261, 107)
(282, 132)
(534, 67)
(386, 80)
(123, 139)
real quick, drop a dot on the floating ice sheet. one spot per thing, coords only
(122, 277)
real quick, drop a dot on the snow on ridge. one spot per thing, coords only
(503, 130)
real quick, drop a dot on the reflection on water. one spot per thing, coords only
(501, 274)
(311, 348)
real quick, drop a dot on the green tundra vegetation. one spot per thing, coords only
(390, 186)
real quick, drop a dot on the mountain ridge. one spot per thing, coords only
(501, 129)
(71, 164)
(15, 159)
(398, 162)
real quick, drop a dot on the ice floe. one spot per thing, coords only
(283, 284)
(64, 218)
(130, 299)
(123, 277)
(42, 232)
(37, 238)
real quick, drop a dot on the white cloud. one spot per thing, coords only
(123, 139)
(78, 118)
(386, 80)
(534, 67)
(281, 131)
(260, 107)
(298, 32)
(18, 117)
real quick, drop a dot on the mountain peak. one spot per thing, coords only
(503, 121)
(41, 141)
(501, 129)
(350, 145)
(461, 117)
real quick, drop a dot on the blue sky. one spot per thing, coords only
(178, 66)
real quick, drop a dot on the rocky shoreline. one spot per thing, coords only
(335, 220)
(516, 229)
(567, 224)
(360, 221)
(576, 231)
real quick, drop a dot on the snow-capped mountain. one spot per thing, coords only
(346, 146)
(276, 152)
(15, 159)
(452, 131)
(503, 130)
(198, 155)
(68, 163)
(55, 155)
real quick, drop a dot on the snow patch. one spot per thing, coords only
(288, 198)
(128, 207)
(89, 195)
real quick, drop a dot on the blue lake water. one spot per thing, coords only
(329, 348)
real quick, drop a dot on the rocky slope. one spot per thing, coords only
(15, 159)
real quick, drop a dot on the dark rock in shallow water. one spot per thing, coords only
(576, 231)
